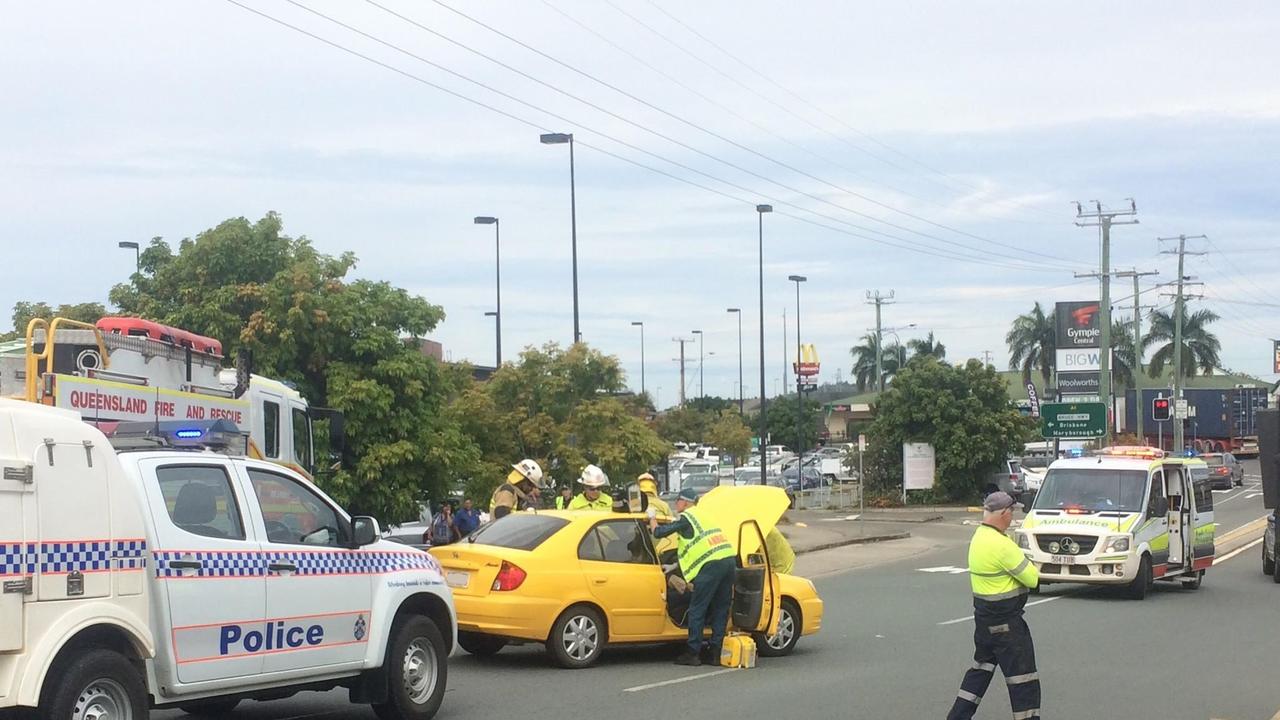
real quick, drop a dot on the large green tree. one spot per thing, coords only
(25, 312)
(892, 357)
(1200, 347)
(963, 411)
(730, 435)
(1032, 343)
(347, 344)
(562, 408)
(927, 346)
(783, 427)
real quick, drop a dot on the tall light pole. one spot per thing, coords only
(738, 312)
(498, 323)
(137, 253)
(701, 358)
(497, 263)
(560, 139)
(764, 423)
(640, 324)
(797, 279)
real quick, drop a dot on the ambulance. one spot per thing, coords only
(159, 567)
(1125, 516)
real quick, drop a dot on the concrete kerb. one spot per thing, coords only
(860, 540)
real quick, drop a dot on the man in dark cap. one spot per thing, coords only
(1001, 577)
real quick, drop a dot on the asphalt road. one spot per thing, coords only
(896, 640)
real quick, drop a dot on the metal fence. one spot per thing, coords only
(835, 497)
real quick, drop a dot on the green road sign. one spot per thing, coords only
(1073, 421)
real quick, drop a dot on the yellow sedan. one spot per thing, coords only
(579, 580)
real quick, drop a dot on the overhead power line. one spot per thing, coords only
(780, 163)
(928, 250)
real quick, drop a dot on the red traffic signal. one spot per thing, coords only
(1161, 409)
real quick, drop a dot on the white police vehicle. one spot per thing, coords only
(194, 579)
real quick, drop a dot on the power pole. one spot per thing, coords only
(877, 299)
(1104, 219)
(682, 341)
(1139, 409)
(986, 357)
(1178, 430)
(785, 360)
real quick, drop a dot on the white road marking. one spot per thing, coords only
(1042, 601)
(1252, 495)
(1233, 553)
(944, 569)
(679, 680)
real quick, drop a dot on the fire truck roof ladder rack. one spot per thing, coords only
(96, 374)
(206, 390)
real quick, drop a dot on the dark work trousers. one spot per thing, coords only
(712, 595)
(1006, 643)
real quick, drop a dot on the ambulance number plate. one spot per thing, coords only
(457, 578)
(1062, 559)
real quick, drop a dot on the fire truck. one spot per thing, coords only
(126, 369)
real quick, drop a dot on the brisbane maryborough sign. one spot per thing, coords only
(1073, 421)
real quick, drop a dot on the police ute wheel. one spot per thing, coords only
(789, 628)
(479, 644)
(417, 671)
(1268, 564)
(577, 638)
(92, 685)
(1141, 583)
(210, 708)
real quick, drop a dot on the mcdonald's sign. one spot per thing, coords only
(808, 365)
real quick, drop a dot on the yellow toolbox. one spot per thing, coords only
(738, 651)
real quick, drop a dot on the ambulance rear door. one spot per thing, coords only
(209, 567)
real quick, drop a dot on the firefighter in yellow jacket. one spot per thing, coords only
(519, 492)
(592, 496)
(1001, 577)
(649, 487)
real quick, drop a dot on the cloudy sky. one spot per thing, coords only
(931, 149)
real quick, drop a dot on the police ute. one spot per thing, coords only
(152, 565)
(1126, 516)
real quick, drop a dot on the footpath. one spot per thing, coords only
(813, 530)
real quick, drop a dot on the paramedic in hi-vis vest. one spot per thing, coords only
(707, 561)
(1001, 578)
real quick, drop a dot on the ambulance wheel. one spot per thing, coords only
(1194, 582)
(481, 645)
(94, 684)
(1138, 587)
(417, 671)
(784, 641)
(577, 638)
(210, 708)
(1275, 564)
(1268, 564)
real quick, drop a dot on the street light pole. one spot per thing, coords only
(560, 139)
(640, 324)
(764, 424)
(701, 359)
(797, 279)
(137, 253)
(497, 324)
(738, 312)
(497, 262)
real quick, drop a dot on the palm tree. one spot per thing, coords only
(1032, 343)
(1200, 347)
(892, 359)
(1123, 356)
(922, 347)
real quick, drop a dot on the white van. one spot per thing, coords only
(182, 577)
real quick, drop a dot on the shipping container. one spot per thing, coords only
(1225, 419)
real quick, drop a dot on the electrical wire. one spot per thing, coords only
(928, 250)
(763, 156)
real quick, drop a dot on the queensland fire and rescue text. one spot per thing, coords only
(124, 402)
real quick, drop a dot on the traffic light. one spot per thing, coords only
(1160, 409)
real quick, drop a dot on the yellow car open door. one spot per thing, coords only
(755, 585)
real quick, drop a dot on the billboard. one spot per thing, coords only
(808, 365)
(919, 465)
(1078, 324)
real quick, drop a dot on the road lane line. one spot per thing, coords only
(1042, 601)
(1233, 553)
(1245, 529)
(677, 681)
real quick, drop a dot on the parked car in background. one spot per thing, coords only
(1007, 479)
(812, 478)
(414, 533)
(1225, 471)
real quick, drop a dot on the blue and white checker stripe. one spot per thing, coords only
(80, 555)
(309, 563)
(12, 559)
(130, 554)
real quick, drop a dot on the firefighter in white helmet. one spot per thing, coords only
(592, 496)
(519, 492)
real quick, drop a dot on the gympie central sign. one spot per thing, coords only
(1078, 324)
